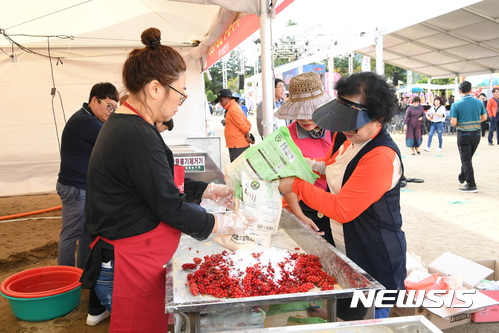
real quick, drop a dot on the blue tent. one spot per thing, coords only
(241, 98)
(485, 82)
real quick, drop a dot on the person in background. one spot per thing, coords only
(436, 116)
(279, 89)
(466, 115)
(237, 126)
(413, 123)
(363, 172)
(442, 98)
(306, 93)
(492, 109)
(133, 208)
(165, 126)
(78, 139)
(484, 124)
(243, 107)
(451, 99)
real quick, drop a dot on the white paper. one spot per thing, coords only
(452, 264)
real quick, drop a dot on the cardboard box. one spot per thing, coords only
(441, 323)
(491, 313)
(472, 273)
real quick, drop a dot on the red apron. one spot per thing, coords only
(178, 177)
(138, 303)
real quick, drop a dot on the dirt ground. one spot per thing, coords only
(437, 218)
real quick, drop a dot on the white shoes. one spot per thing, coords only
(429, 149)
(94, 320)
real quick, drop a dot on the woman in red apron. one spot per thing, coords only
(134, 209)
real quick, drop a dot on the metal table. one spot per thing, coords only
(292, 233)
(410, 324)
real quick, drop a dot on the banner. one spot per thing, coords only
(241, 29)
(366, 64)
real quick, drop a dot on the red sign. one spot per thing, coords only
(237, 32)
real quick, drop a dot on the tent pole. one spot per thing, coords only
(267, 77)
(330, 83)
(380, 65)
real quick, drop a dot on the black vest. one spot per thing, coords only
(375, 240)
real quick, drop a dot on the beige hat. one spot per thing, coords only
(306, 93)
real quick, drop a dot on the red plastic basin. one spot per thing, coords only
(42, 282)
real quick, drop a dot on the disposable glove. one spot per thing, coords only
(230, 223)
(220, 195)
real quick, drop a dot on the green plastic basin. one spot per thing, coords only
(44, 308)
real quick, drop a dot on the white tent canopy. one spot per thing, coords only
(103, 32)
(462, 42)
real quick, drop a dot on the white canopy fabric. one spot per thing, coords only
(103, 33)
(462, 42)
(114, 22)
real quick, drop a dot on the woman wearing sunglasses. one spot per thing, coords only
(363, 171)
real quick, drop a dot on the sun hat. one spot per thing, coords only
(306, 93)
(341, 115)
(225, 93)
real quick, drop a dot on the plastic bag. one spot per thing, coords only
(275, 157)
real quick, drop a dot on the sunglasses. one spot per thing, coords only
(109, 107)
(183, 96)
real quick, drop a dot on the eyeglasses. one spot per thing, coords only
(183, 96)
(109, 107)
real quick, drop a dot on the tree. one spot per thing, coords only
(216, 83)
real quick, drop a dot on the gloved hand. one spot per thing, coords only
(220, 195)
(230, 223)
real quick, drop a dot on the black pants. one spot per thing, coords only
(94, 304)
(483, 125)
(235, 152)
(467, 143)
(494, 128)
(320, 220)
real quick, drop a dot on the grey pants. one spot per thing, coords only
(73, 235)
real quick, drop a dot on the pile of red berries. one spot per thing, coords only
(245, 274)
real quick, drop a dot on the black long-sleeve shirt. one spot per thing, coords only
(130, 186)
(78, 139)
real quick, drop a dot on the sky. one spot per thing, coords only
(364, 15)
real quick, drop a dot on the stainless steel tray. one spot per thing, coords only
(410, 324)
(292, 233)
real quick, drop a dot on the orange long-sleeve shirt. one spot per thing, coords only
(236, 126)
(375, 174)
(492, 107)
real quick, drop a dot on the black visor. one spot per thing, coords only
(341, 115)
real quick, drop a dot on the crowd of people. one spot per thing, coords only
(124, 211)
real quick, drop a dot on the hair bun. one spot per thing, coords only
(151, 37)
